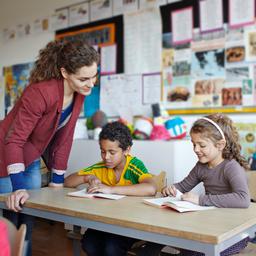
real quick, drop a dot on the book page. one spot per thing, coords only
(176, 203)
(184, 206)
(160, 201)
(83, 193)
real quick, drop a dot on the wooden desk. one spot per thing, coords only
(207, 231)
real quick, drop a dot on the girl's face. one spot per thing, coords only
(206, 151)
(112, 155)
(83, 80)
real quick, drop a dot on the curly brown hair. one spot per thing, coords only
(71, 55)
(116, 131)
(232, 148)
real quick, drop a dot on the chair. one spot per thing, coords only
(160, 180)
(16, 237)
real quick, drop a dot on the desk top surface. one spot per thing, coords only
(212, 226)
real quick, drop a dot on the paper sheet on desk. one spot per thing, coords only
(83, 193)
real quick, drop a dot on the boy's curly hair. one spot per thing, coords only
(116, 131)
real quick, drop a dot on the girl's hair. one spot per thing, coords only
(71, 55)
(117, 131)
(207, 129)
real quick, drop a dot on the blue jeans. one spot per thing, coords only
(32, 181)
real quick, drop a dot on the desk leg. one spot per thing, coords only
(76, 242)
(211, 251)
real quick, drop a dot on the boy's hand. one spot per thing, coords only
(93, 181)
(100, 188)
(169, 191)
(190, 197)
(16, 199)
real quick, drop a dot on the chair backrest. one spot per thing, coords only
(16, 237)
(160, 180)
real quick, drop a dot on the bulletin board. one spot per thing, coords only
(99, 33)
(212, 72)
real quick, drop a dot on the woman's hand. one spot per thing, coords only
(169, 191)
(190, 197)
(16, 199)
(100, 188)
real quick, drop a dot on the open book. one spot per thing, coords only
(83, 193)
(176, 203)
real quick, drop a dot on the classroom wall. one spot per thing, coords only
(13, 12)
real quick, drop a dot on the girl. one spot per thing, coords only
(42, 122)
(118, 173)
(220, 167)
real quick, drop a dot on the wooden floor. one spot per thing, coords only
(50, 238)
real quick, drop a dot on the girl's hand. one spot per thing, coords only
(190, 197)
(100, 188)
(169, 191)
(16, 199)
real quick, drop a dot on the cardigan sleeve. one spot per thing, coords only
(30, 109)
(190, 181)
(238, 197)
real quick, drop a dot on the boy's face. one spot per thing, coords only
(112, 154)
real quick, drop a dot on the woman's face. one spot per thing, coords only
(83, 80)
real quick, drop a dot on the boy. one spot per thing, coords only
(118, 173)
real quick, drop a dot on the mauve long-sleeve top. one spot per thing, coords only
(225, 185)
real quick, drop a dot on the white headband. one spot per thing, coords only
(216, 125)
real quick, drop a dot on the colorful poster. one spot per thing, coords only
(16, 79)
(247, 137)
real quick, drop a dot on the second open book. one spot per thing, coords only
(176, 203)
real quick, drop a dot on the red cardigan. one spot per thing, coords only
(30, 129)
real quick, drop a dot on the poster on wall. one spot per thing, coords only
(15, 79)
(211, 15)
(144, 4)
(247, 137)
(120, 7)
(100, 9)
(59, 19)
(182, 25)
(241, 12)
(79, 14)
